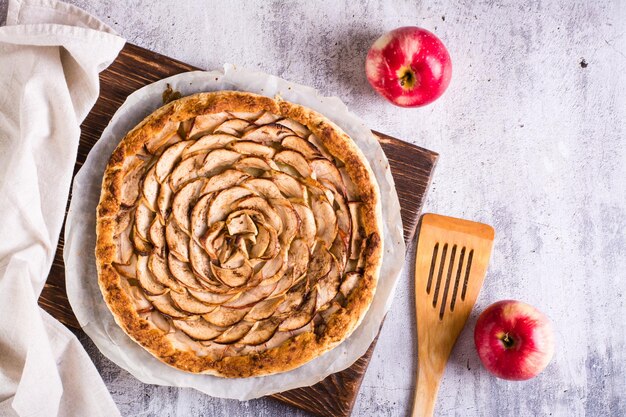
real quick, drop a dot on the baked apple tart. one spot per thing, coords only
(238, 235)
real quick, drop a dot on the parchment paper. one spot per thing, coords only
(81, 276)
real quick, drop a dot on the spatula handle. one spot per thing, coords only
(426, 390)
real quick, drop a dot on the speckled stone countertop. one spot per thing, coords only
(532, 139)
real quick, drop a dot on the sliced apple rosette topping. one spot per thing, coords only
(238, 232)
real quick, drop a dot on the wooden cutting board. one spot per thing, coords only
(411, 167)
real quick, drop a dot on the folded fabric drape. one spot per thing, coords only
(50, 57)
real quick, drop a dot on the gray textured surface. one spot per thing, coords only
(530, 141)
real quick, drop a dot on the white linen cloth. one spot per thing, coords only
(50, 57)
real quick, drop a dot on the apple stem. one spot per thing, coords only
(408, 79)
(507, 341)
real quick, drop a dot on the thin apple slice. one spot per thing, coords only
(210, 297)
(226, 179)
(150, 188)
(339, 249)
(202, 165)
(159, 320)
(315, 188)
(302, 146)
(308, 226)
(183, 273)
(266, 118)
(325, 170)
(356, 238)
(171, 141)
(295, 160)
(234, 333)
(288, 185)
(156, 142)
(309, 327)
(184, 128)
(332, 308)
(352, 191)
(222, 204)
(165, 305)
(198, 329)
(320, 146)
(341, 211)
(268, 133)
(278, 339)
(240, 224)
(242, 241)
(265, 308)
(212, 238)
(183, 201)
(296, 127)
(234, 260)
(253, 148)
(125, 248)
(168, 160)
(284, 283)
(214, 351)
(262, 242)
(185, 302)
(326, 220)
(199, 260)
(350, 281)
(261, 205)
(254, 166)
(218, 159)
(249, 116)
(303, 316)
(186, 170)
(289, 218)
(272, 270)
(225, 251)
(362, 253)
(207, 123)
(298, 257)
(164, 201)
(234, 277)
(123, 220)
(320, 263)
(233, 127)
(328, 286)
(224, 316)
(293, 299)
(131, 184)
(143, 220)
(263, 187)
(142, 246)
(158, 267)
(250, 296)
(177, 241)
(208, 143)
(261, 332)
(197, 225)
(156, 235)
(129, 270)
(146, 279)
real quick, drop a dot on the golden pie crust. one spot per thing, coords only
(238, 235)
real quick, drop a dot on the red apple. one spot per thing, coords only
(514, 340)
(409, 66)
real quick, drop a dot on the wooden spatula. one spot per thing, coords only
(450, 266)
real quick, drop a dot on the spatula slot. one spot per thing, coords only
(433, 262)
(467, 274)
(446, 288)
(457, 281)
(444, 252)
